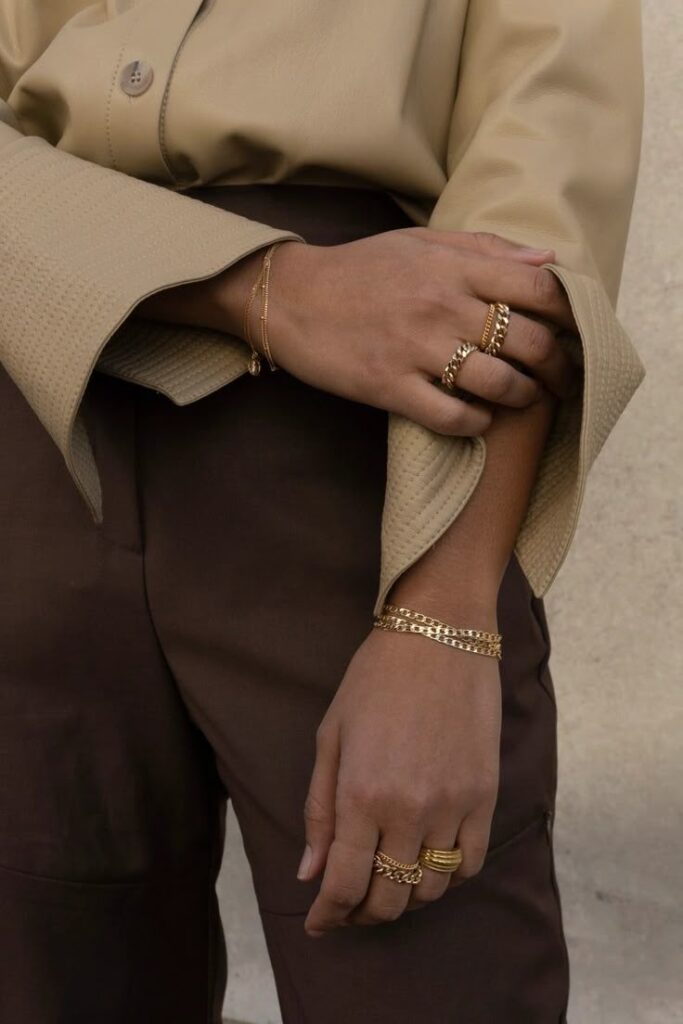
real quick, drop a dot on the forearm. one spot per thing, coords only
(462, 572)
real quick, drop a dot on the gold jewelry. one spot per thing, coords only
(396, 870)
(454, 364)
(265, 283)
(472, 644)
(446, 861)
(490, 317)
(406, 620)
(492, 345)
(260, 287)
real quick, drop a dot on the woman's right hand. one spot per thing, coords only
(376, 321)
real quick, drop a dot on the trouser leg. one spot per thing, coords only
(261, 511)
(110, 807)
(263, 505)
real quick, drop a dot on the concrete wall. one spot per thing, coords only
(618, 659)
(616, 609)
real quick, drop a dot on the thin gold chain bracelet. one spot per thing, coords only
(260, 287)
(407, 620)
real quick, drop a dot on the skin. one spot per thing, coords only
(408, 751)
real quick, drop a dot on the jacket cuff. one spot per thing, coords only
(80, 246)
(430, 477)
(612, 373)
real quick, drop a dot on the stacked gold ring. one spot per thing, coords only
(396, 870)
(446, 861)
(495, 329)
(454, 364)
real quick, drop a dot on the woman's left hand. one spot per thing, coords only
(407, 755)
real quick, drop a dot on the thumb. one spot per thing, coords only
(319, 808)
(496, 247)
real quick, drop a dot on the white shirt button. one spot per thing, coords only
(136, 77)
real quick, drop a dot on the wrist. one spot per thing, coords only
(231, 289)
(463, 593)
(230, 292)
(458, 606)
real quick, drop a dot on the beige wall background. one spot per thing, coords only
(618, 658)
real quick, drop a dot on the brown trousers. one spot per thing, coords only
(184, 653)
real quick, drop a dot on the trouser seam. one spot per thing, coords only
(142, 530)
(273, 943)
(558, 900)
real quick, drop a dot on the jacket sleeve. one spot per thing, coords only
(80, 246)
(543, 149)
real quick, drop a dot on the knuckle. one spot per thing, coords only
(342, 897)
(539, 350)
(314, 810)
(471, 422)
(477, 854)
(545, 286)
(357, 796)
(484, 419)
(376, 368)
(415, 231)
(448, 421)
(445, 797)
(498, 378)
(387, 803)
(480, 791)
(472, 864)
(428, 291)
(539, 341)
(487, 240)
(411, 806)
(431, 895)
(380, 912)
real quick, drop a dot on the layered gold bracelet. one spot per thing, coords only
(260, 288)
(406, 620)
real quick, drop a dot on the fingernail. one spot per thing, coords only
(305, 864)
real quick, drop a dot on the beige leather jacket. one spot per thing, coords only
(521, 117)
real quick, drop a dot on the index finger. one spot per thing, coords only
(347, 876)
(533, 289)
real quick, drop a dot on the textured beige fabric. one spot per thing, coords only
(520, 118)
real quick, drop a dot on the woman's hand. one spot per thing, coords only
(407, 755)
(376, 321)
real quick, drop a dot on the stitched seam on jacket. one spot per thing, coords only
(580, 485)
(164, 102)
(110, 97)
